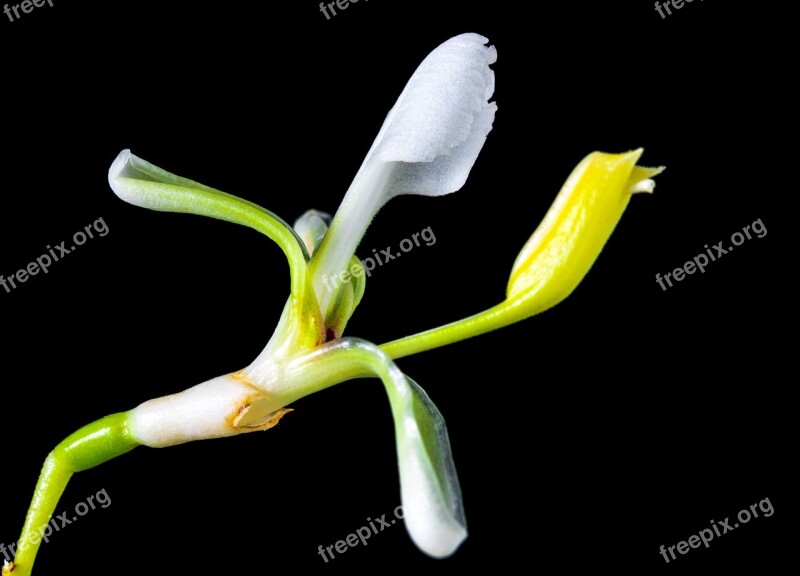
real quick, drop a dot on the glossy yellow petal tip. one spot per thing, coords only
(573, 232)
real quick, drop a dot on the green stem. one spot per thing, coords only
(495, 317)
(141, 183)
(223, 206)
(90, 446)
(52, 482)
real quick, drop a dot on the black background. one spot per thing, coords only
(623, 419)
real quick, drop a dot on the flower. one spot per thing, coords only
(427, 145)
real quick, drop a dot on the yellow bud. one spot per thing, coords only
(560, 252)
(567, 242)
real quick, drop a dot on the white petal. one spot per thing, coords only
(444, 105)
(432, 506)
(433, 509)
(140, 183)
(427, 144)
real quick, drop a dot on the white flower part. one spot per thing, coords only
(431, 525)
(432, 506)
(646, 186)
(311, 227)
(427, 144)
(223, 406)
(130, 178)
(440, 122)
